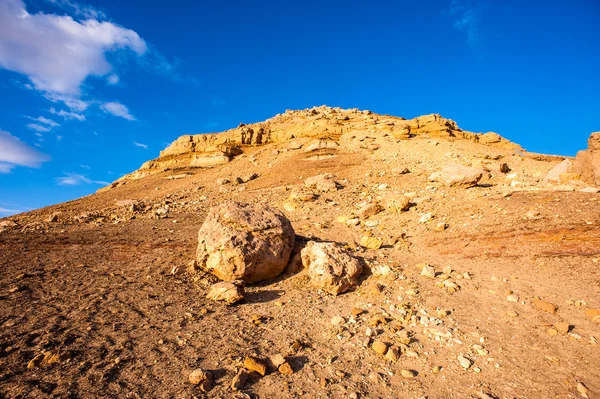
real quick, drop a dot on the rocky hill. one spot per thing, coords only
(321, 253)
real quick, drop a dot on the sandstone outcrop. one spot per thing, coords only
(315, 130)
(245, 242)
(330, 268)
(587, 162)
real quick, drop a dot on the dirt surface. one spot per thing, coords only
(94, 283)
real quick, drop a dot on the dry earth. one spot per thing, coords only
(101, 285)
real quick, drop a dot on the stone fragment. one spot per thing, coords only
(455, 175)
(277, 360)
(393, 354)
(254, 364)
(286, 369)
(245, 242)
(239, 380)
(408, 373)
(464, 362)
(368, 210)
(330, 267)
(201, 378)
(545, 306)
(428, 271)
(441, 226)
(229, 292)
(562, 328)
(380, 347)
(323, 182)
(395, 202)
(370, 242)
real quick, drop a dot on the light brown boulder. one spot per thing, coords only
(557, 171)
(245, 242)
(490, 138)
(330, 268)
(368, 210)
(455, 175)
(227, 292)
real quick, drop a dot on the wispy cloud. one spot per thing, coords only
(117, 109)
(67, 115)
(112, 79)
(75, 179)
(13, 152)
(38, 128)
(144, 146)
(78, 9)
(9, 212)
(45, 121)
(466, 16)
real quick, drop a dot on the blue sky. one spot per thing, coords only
(89, 91)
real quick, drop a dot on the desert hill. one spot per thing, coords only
(479, 269)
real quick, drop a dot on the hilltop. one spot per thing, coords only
(480, 269)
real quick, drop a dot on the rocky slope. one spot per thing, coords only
(478, 268)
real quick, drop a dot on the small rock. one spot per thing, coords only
(380, 347)
(545, 306)
(370, 242)
(428, 271)
(337, 320)
(277, 360)
(464, 362)
(512, 313)
(512, 298)
(408, 373)
(229, 292)
(393, 354)
(441, 226)
(202, 378)
(255, 364)
(369, 210)
(396, 203)
(239, 380)
(562, 328)
(582, 389)
(286, 369)
(425, 217)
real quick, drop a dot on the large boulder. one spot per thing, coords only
(245, 242)
(587, 162)
(456, 175)
(330, 267)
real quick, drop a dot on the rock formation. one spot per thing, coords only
(587, 162)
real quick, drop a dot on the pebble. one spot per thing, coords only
(545, 306)
(255, 364)
(408, 373)
(380, 347)
(428, 271)
(512, 298)
(286, 369)
(201, 378)
(464, 362)
(239, 380)
(337, 320)
(393, 354)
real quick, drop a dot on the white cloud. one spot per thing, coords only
(59, 138)
(81, 10)
(13, 152)
(58, 53)
(67, 115)
(144, 146)
(117, 109)
(38, 128)
(6, 211)
(112, 79)
(74, 179)
(46, 121)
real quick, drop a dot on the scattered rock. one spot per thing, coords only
(255, 364)
(245, 242)
(441, 226)
(276, 361)
(428, 271)
(286, 369)
(380, 347)
(202, 378)
(370, 242)
(239, 380)
(395, 203)
(594, 315)
(425, 217)
(393, 354)
(582, 389)
(337, 320)
(323, 182)
(408, 373)
(464, 362)
(229, 292)
(368, 210)
(455, 175)
(562, 328)
(330, 268)
(545, 306)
